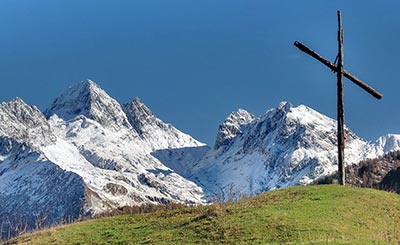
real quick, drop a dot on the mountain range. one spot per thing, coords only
(87, 153)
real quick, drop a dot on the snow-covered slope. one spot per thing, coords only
(32, 188)
(285, 146)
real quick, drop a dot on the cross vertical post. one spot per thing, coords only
(340, 104)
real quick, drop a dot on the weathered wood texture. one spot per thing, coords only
(340, 104)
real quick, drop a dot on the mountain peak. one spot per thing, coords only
(232, 126)
(285, 105)
(88, 81)
(90, 86)
(139, 115)
(18, 108)
(85, 86)
(137, 100)
(20, 120)
(158, 134)
(15, 104)
(88, 99)
(18, 100)
(386, 143)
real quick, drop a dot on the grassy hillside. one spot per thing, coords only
(310, 214)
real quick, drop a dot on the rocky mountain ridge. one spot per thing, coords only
(288, 145)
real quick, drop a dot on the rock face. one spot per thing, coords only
(155, 132)
(23, 122)
(232, 126)
(286, 146)
(141, 117)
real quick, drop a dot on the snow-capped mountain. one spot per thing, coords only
(286, 146)
(87, 154)
(93, 126)
(86, 157)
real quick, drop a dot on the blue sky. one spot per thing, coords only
(194, 62)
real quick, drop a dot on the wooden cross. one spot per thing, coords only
(340, 71)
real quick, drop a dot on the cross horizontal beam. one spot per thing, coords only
(333, 67)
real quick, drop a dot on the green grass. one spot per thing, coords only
(311, 214)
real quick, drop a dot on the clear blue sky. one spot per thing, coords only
(193, 62)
